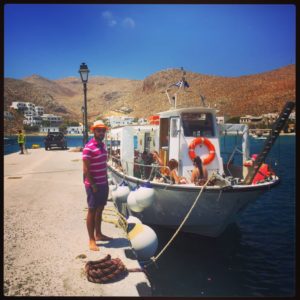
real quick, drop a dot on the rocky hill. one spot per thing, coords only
(232, 96)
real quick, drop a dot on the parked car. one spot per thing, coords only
(55, 139)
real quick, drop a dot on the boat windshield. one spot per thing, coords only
(198, 124)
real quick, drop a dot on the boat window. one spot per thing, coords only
(164, 132)
(198, 124)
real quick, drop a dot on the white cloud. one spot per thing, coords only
(107, 15)
(128, 23)
(111, 21)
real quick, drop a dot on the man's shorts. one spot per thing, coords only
(99, 198)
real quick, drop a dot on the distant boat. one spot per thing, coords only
(257, 137)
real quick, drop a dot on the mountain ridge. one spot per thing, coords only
(232, 96)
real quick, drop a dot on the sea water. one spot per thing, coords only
(253, 257)
(11, 145)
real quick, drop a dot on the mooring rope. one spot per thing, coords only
(122, 221)
(154, 259)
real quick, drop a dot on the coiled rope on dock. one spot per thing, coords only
(107, 270)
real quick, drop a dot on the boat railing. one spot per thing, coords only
(143, 171)
(230, 159)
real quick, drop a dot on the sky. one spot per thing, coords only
(134, 41)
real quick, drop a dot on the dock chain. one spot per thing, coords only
(107, 270)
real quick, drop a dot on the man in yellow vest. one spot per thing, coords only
(21, 141)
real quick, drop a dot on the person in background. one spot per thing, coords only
(173, 166)
(156, 164)
(94, 156)
(147, 160)
(137, 161)
(199, 175)
(264, 172)
(156, 158)
(21, 141)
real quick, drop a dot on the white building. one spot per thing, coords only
(32, 120)
(270, 118)
(19, 105)
(47, 129)
(220, 120)
(39, 110)
(142, 121)
(115, 121)
(30, 106)
(8, 115)
(251, 119)
(74, 129)
(53, 119)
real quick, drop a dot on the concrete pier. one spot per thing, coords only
(45, 235)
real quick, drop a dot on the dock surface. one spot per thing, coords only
(45, 235)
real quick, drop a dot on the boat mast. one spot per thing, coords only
(181, 83)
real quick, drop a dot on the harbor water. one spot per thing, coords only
(253, 257)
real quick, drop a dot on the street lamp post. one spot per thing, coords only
(82, 110)
(84, 74)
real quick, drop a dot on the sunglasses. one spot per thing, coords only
(100, 129)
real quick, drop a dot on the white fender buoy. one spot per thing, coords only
(112, 187)
(131, 202)
(133, 220)
(111, 180)
(121, 193)
(144, 196)
(143, 240)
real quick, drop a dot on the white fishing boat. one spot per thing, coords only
(181, 134)
(259, 137)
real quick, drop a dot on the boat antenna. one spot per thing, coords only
(202, 99)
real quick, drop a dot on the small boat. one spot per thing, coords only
(259, 137)
(181, 134)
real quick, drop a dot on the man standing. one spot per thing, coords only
(21, 141)
(94, 157)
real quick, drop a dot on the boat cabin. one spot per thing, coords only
(179, 128)
(173, 138)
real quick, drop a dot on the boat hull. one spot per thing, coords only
(216, 207)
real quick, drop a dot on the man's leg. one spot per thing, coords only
(21, 148)
(98, 219)
(90, 223)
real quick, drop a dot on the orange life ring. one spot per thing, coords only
(198, 141)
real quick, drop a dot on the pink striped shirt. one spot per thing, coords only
(98, 164)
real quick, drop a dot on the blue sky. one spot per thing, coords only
(134, 41)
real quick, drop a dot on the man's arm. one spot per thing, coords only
(87, 173)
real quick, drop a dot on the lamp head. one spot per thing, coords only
(84, 72)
